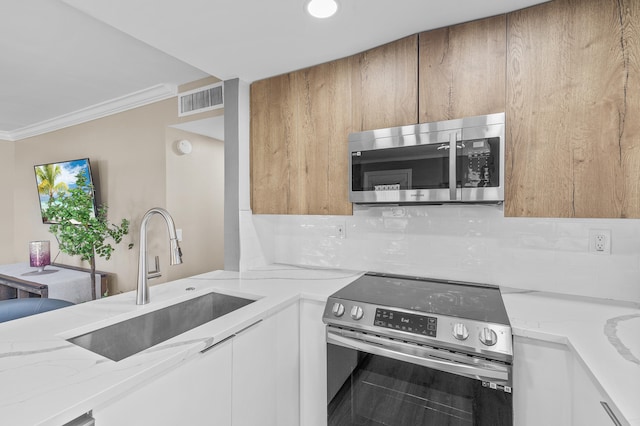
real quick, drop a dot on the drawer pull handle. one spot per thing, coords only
(609, 411)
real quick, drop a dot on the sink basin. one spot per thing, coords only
(126, 338)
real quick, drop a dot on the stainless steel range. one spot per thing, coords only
(414, 351)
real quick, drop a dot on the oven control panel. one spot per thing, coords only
(463, 334)
(403, 321)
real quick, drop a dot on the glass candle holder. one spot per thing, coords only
(39, 254)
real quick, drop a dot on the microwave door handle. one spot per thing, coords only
(470, 371)
(453, 157)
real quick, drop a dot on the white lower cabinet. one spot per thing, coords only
(248, 380)
(266, 372)
(541, 383)
(552, 387)
(313, 364)
(253, 397)
(193, 393)
(591, 406)
(274, 373)
(287, 380)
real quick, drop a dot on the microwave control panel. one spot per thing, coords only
(403, 321)
(479, 159)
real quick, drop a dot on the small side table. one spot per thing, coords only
(57, 281)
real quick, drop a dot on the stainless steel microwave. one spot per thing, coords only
(453, 161)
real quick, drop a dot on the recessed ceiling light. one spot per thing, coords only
(322, 8)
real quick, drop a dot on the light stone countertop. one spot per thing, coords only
(44, 380)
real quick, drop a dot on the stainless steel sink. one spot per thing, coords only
(121, 340)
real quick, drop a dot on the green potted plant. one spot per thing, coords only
(81, 233)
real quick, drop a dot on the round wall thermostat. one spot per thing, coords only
(183, 146)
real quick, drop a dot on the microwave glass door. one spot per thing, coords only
(406, 173)
(402, 168)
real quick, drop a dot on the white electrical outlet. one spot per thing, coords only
(600, 241)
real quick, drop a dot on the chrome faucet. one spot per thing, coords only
(142, 296)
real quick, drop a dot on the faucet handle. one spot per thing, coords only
(156, 272)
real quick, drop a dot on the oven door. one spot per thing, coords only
(377, 381)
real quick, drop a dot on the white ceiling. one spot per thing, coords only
(57, 61)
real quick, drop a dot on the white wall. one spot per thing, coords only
(132, 156)
(195, 199)
(466, 243)
(127, 154)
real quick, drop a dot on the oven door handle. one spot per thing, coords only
(495, 373)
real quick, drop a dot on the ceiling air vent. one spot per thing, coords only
(200, 100)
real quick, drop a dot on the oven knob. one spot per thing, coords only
(460, 332)
(356, 312)
(338, 309)
(488, 336)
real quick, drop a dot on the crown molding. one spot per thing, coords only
(137, 99)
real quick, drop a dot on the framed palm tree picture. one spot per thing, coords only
(54, 181)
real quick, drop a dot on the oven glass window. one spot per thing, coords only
(366, 389)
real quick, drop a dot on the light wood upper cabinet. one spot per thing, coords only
(274, 147)
(300, 123)
(462, 70)
(384, 85)
(299, 127)
(573, 110)
(324, 111)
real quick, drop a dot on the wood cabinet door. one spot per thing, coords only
(384, 85)
(274, 146)
(573, 110)
(323, 126)
(462, 70)
(299, 128)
